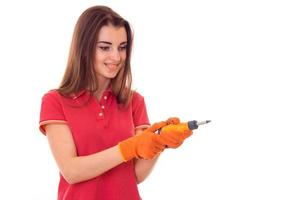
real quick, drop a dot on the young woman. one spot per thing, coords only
(97, 127)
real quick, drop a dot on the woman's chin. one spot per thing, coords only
(111, 75)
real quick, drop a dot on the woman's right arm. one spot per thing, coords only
(75, 168)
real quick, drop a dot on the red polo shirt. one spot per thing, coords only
(96, 126)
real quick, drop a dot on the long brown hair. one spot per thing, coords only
(80, 73)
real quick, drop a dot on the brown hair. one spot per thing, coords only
(80, 73)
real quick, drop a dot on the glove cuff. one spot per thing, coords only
(127, 149)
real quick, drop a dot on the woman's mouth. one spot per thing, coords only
(111, 66)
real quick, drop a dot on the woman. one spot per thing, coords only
(97, 127)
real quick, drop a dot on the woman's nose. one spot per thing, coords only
(115, 55)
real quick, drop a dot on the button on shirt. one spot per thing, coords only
(96, 126)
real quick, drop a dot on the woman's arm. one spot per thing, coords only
(143, 167)
(75, 168)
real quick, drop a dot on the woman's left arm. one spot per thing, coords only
(143, 167)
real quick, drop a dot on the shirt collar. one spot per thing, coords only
(76, 95)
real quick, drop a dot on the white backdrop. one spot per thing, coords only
(233, 62)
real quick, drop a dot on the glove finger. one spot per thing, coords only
(176, 138)
(156, 126)
(148, 156)
(156, 149)
(177, 145)
(150, 153)
(174, 144)
(159, 145)
(169, 141)
(173, 136)
(157, 140)
(187, 133)
(159, 149)
(173, 120)
(161, 139)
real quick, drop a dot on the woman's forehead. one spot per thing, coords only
(112, 34)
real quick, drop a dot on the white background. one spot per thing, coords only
(233, 62)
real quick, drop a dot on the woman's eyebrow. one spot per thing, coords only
(105, 42)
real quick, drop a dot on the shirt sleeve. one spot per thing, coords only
(51, 110)
(139, 111)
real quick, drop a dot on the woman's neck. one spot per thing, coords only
(103, 85)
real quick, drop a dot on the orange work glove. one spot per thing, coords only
(175, 133)
(173, 120)
(144, 145)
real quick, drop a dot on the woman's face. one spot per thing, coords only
(110, 53)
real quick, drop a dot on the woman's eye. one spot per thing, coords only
(105, 48)
(122, 48)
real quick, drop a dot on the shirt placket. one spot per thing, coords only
(102, 103)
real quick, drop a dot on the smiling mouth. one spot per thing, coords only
(112, 66)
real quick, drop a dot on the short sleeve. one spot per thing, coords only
(139, 111)
(51, 110)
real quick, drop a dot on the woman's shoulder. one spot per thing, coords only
(137, 98)
(51, 93)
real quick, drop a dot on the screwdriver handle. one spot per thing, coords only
(195, 124)
(192, 124)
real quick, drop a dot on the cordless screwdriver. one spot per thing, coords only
(190, 125)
